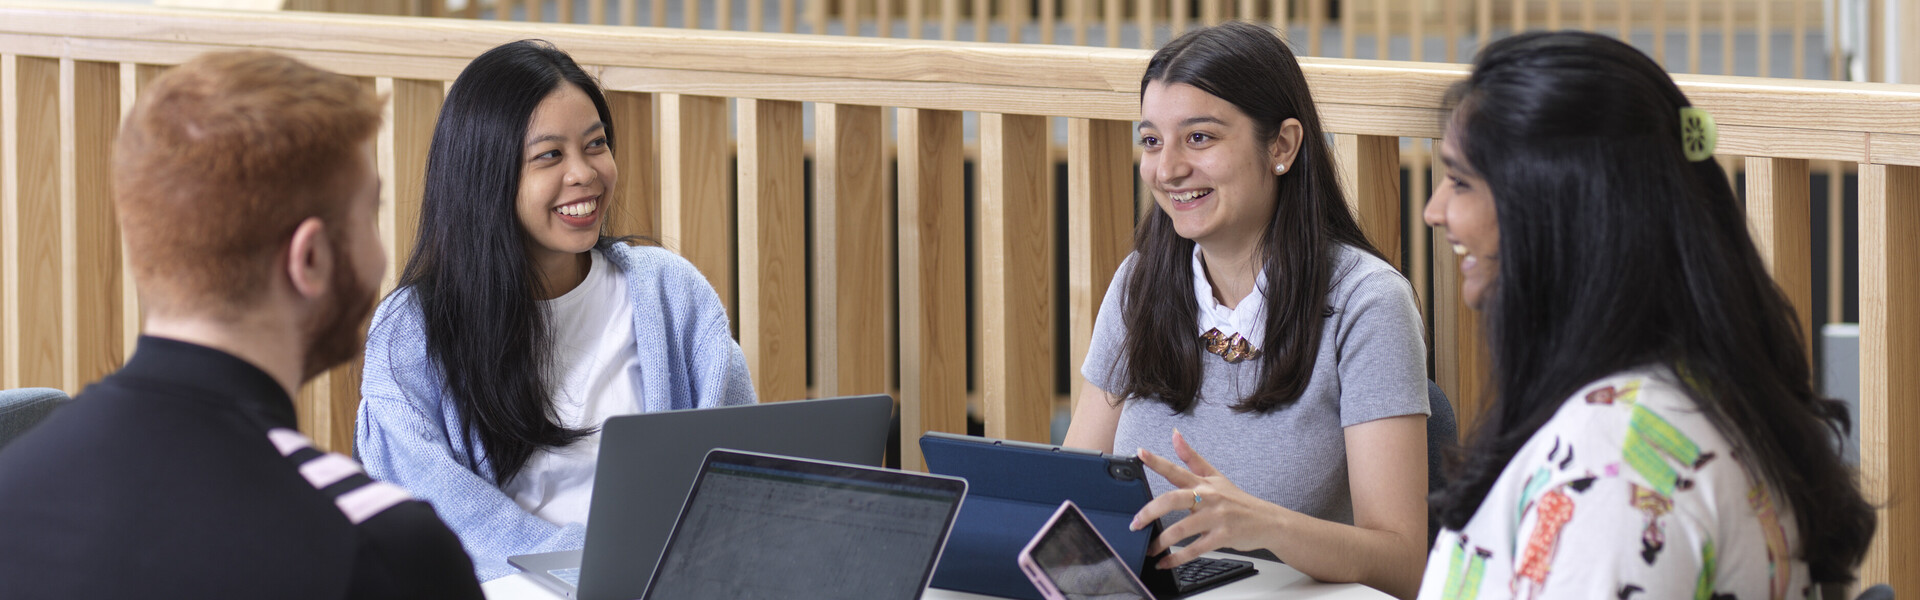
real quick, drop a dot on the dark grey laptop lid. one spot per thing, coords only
(648, 462)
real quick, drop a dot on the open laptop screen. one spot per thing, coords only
(760, 526)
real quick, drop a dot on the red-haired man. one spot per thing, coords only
(247, 195)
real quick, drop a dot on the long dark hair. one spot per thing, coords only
(1250, 67)
(478, 292)
(1579, 139)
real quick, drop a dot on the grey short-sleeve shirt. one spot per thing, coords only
(1371, 365)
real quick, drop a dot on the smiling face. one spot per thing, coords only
(565, 171)
(1463, 204)
(1208, 168)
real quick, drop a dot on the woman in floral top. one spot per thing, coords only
(1654, 432)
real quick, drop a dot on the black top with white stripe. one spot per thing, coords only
(183, 476)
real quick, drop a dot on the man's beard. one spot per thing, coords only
(341, 328)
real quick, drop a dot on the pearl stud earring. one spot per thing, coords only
(1280, 169)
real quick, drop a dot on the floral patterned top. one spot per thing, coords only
(1627, 492)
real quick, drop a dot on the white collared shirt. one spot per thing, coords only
(1248, 318)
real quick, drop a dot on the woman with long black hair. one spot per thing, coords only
(1256, 325)
(1654, 432)
(519, 326)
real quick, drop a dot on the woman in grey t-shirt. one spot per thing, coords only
(1255, 318)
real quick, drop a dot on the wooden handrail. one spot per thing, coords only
(67, 313)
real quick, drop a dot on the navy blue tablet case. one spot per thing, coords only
(1012, 489)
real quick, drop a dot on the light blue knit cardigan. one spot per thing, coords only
(408, 424)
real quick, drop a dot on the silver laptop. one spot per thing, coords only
(764, 527)
(648, 462)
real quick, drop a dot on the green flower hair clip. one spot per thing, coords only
(1698, 135)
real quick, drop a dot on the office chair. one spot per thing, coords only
(1443, 436)
(21, 409)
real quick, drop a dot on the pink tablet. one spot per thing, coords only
(1068, 560)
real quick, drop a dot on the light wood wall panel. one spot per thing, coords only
(773, 270)
(850, 265)
(694, 216)
(1016, 221)
(1370, 174)
(1777, 215)
(89, 119)
(933, 279)
(1100, 219)
(33, 252)
(413, 107)
(636, 202)
(1889, 383)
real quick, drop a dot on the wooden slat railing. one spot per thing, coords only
(67, 313)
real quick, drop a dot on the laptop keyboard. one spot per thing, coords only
(1203, 571)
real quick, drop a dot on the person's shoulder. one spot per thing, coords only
(397, 318)
(659, 272)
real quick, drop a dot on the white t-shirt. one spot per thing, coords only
(598, 376)
(1627, 492)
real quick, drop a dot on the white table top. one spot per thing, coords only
(1275, 581)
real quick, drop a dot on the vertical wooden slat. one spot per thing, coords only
(1047, 8)
(1777, 201)
(693, 187)
(1077, 12)
(629, 11)
(722, 13)
(1113, 9)
(596, 11)
(1483, 24)
(1800, 40)
(982, 19)
(916, 18)
(1693, 36)
(1016, 220)
(472, 10)
(1727, 62)
(1210, 12)
(1177, 11)
(1623, 11)
(849, 17)
(636, 209)
(1588, 16)
(1014, 12)
(657, 9)
(1889, 383)
(773, 270)
(849, 256)
(1349, 31)
(1553, 15)
(933, 279)
(1417, 35)
(690, 9)
(89, 111)
(788, 22)
(1099, 222)
(1765, 32)
(1370, 175)
(32, 216)
(757, 15)
(1317, 19)
(565, 9)
(1143, 13)
(412, 107)
(1519, 16)
(949, 19)
(1281, 11)
(1248, 11)
(1660, 32)
(1382, 34)
(1451, 22)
